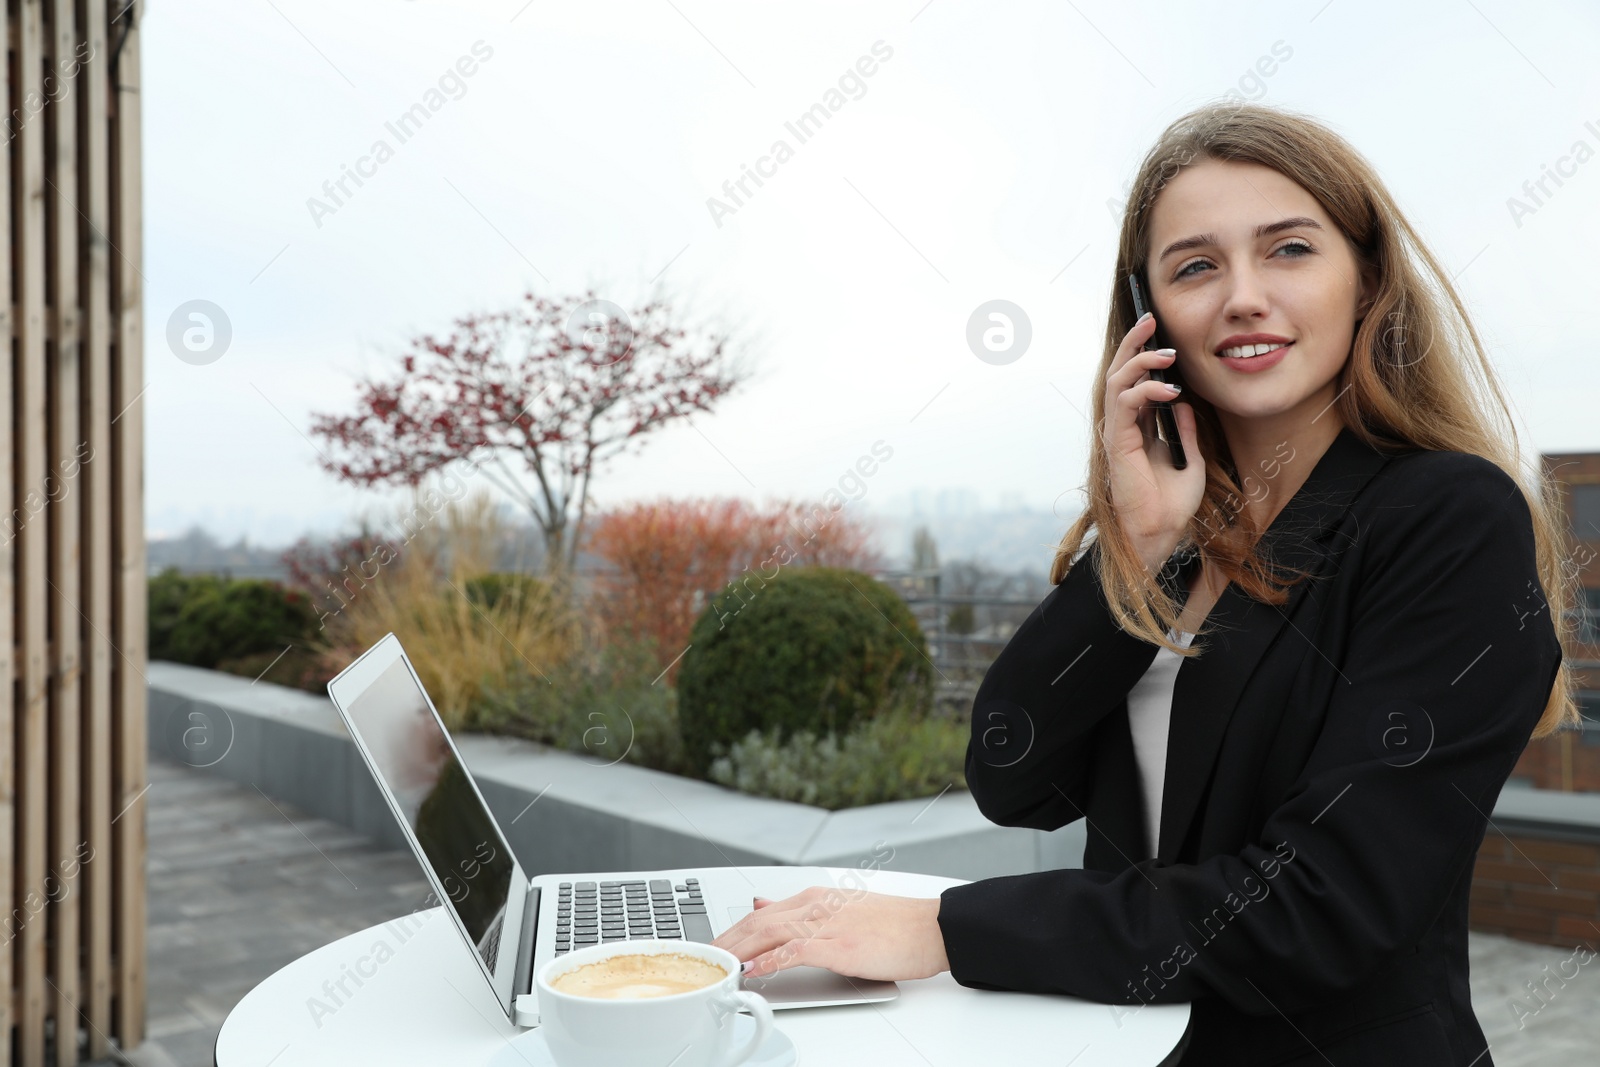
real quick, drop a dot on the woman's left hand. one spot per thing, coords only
(854, 933)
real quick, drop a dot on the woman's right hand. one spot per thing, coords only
(1154, 500)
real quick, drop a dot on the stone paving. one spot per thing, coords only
(240, 886)
(1555, 1024)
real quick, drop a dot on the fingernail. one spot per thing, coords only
(744, 968)
(1166, 351)
(1174, 388)
(1146, 315)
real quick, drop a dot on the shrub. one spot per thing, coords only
(462, 643)
(605, 704)
(490, 590)
(813, 648)
(667, 557)
(663, 560)
(317, 567)
(205, 620)
(164, 605)
(897, 756)
(298, 667)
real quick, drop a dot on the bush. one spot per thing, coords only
(607, 708)
(466, 628)
(299, 667)
(897, 756)
(666, 556)
(205, 620)
(813, 649)
(603, 704)
(490, 590)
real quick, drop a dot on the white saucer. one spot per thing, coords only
(530, 1049)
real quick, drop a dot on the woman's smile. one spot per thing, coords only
(1260, 358)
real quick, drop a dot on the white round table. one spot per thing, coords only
(424, 1001)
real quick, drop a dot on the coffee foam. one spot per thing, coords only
(638, 975)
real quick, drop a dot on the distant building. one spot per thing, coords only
(1013, 500)
(1570, 760)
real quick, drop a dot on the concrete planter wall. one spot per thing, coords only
(564, 812)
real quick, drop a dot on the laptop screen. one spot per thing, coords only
(410, 750)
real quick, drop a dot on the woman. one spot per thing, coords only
(1283, 831)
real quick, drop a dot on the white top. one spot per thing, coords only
(1149, 713)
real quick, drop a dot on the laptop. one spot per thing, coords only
(513, 923)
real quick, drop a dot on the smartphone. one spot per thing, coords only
(1166, 420)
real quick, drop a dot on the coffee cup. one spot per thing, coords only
(646, 1001)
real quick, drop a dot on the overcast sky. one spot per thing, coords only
(975, 163)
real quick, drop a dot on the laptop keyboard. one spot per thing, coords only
(592, 913)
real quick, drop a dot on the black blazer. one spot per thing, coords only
(1331, 766)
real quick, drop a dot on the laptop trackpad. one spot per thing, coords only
(802, 986)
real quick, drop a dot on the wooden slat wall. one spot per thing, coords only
(8, 761)
(29, 423)
(129, 740)
(64, 594)
(72, 594)
(95, 483)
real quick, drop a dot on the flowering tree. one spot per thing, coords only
(670, 556)
(535, 398)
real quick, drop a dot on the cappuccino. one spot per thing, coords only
(652, 974)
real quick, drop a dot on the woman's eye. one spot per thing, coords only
(1298, 247)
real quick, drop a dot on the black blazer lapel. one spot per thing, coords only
(1208, 686)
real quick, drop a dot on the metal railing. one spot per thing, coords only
(965, 631)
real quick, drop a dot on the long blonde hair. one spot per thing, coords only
(1409, 382)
